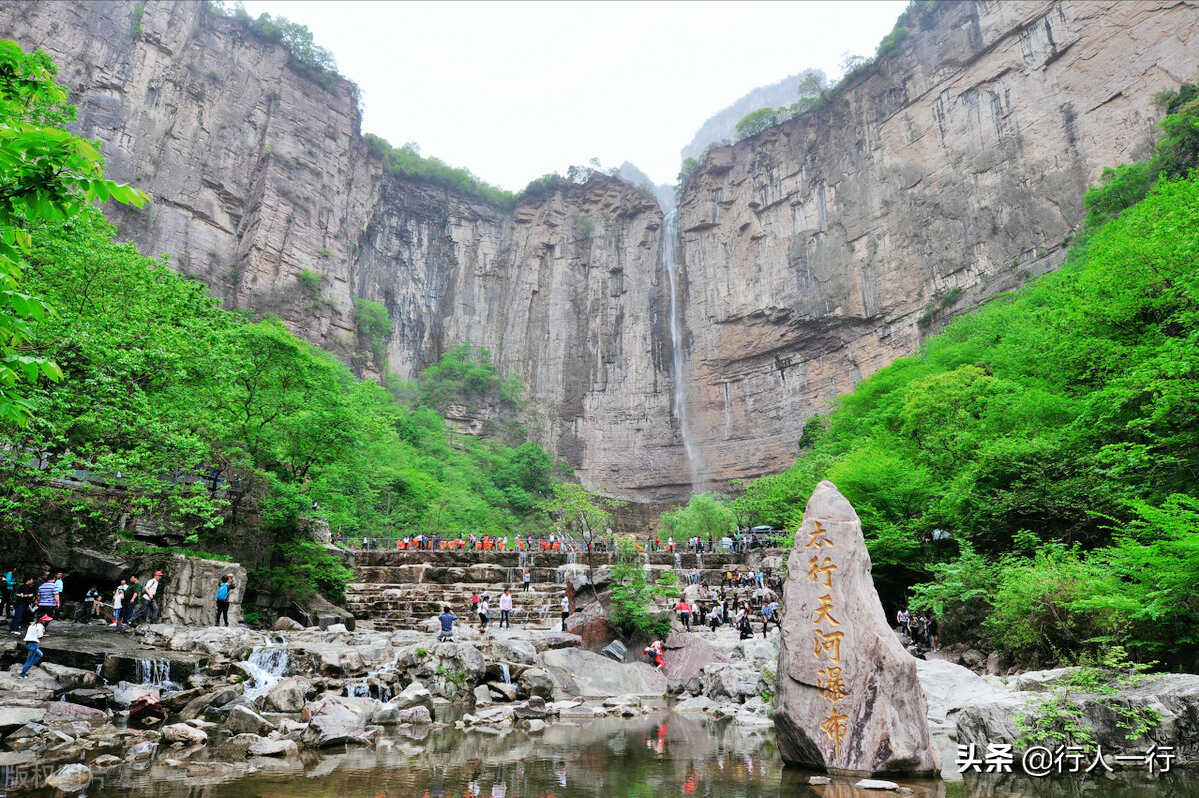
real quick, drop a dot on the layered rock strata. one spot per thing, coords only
(819, 251)
(811, 255)
(847, 698)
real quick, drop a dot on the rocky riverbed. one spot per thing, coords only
(210, 698)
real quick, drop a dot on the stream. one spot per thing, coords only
(661, 754)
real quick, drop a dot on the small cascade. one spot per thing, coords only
(699, 560)
(508, 576)
(560, 576)
(570, 558)
(504, 671)
(678, 561)
(647, 558)
(156, 672)
(525, 560)
(268, 665)
(358, 688)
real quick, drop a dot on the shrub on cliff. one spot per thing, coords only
(1065, 413)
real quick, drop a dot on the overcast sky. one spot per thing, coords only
(513, 90)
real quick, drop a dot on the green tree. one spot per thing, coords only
(46, 174)
(704, 515)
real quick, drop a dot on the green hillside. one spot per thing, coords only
(1031, 474)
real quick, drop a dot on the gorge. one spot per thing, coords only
(808, 256)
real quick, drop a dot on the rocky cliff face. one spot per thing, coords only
(822, 249)
(809, 255)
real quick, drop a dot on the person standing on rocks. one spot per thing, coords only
(149, 604)
(24, 597)
(132, 595)
(222, 599)
(58, 588)
(32, 639)
(905, 619)
(934, 637)
(47, 596)
(565, 610)
(447, 619)
(118, 602)
(506, 609)
(484, 614)
(528, 580)
(9, 589)
(684, 610)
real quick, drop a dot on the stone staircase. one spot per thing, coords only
(404, 589)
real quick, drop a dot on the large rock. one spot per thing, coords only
(70, 778)
(70, 678)
(243, 720)
(847, 698)
(686, 655)
(536, 682)
(188, 595)
(577, 672)
(948, 688)
(184, 733)
(591, 624)
(288, 695)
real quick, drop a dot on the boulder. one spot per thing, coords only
(242, 742)
(13, 718)
(67, 712)
(947, 689)
(502, 691)
(725, 681)
(577, 672)
(592, 626)
(697, 703)
(754, 712)
(615, 650)
(686, 655)
(289, 695)
(536, 682)
(482, 696)
(461, 658)
(532, 708)
(286, 748)
(188, 589)
(335, 721)
(1038, 681)
(147, 710)
(413, 695)
(244, 720)
(143, 750)
(285, 624)
(184, 733)
(125, 693)
(514, 650)
(547, 641)
(847, 697)
(70, 778)
(70, 678)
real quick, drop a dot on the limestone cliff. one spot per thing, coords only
(824, 248)
(809, 254)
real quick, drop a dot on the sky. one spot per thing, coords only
(515, 90)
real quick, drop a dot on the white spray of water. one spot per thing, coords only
(670, 234)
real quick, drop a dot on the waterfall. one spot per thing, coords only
(358, 688)
(647, 557)
(699, 560)
(670, 236)
(523, 559)
(504, 670)
(560, 576)
(678, 561)
(268, 665)
(570, 558)
(156, 672)
(508, 576)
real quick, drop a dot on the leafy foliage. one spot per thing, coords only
(705, 515)
(634, 597)
(46, 173)
(297, 38)
(1037, 458)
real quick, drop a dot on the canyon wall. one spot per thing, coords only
(811, 255)
(822, 249)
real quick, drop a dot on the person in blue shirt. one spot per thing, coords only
(447, 619)
(6, 593)
(223, 592)
(58, 587)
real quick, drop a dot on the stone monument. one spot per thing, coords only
(847, 699)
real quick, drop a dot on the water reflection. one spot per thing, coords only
(661, 754)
